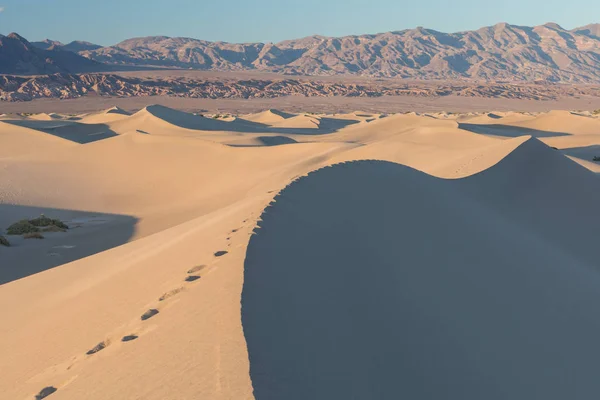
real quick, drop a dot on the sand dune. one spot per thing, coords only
(164, 115)
(73, 131)
(563, 122)
(45, 117)
(394, 126)
(452, 253)
(116, 110)
(299, 121)
(552, 124)
(410, 294)
(268, 117)
(110, 115)
(495, 118)
(16, 141)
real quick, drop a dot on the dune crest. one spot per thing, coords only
(427, 288)
(268, 117)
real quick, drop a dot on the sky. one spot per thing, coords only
(108, 22)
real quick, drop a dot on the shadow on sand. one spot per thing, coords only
(585, 152)
(69, 130)
(508, 131)
(266, 141)
(197, 122)
(89, 233)
(371, 280)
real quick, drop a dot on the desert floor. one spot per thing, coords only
(300, 104)
(286, 255)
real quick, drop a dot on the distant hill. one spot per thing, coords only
(502, 52)
(46, 44)
(75, 46)
(18, 56)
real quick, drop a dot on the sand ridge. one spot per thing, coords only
(433, 292)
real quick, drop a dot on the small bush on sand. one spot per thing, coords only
(4, 241)
(596, 112)
(33, 235)
(43, 221)
(33, 225)
(21, 228)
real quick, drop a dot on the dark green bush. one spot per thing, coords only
(4, 241)
(21, 228)
(33, 225)
(59, 224)
(43, 221)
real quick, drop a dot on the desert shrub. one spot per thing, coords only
(59, 224)
(4, 241)
(40, 221)
(21, 228)
(596, 112)
(33, 235)
(43, 221)
(33, 225)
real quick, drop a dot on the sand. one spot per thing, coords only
(442, 255)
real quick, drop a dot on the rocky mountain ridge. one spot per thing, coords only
(502, 52)
(18, 56)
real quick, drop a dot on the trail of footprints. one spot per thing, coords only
(193, 276)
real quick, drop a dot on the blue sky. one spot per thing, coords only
(107, 22)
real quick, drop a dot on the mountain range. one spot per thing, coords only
(74, 46)
(18, 56)
(499, 53)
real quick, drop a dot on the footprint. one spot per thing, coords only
(99, 347)
(221, 253)
(171, 294)
(192, 278)
(149, 314)
(197, 268)
(45, 392)
(129, 338)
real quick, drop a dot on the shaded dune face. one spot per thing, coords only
(371, 280)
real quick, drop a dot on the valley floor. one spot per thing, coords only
(299, 104)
